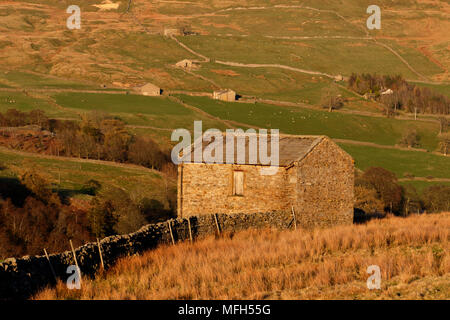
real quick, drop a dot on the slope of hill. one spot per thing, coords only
(412, 254)
(69, 175)
(125, 44)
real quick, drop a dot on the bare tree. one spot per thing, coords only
(331, 99)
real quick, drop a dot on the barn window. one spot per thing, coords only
(238, 183)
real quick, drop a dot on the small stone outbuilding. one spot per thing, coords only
(168, 32)
(187, 64)
(224, 95)
(315, 177)
(149, 89)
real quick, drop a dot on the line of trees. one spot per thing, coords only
(98, 136)
(103, 137)
(33, 217)
(16, 118)
(404, 96)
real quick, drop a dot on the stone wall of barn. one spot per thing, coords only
(324, 187)
(208, 189)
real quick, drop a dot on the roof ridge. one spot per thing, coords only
(281, 135)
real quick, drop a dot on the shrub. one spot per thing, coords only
(410, 139)
(385, 184)
(367, 199)
(437, 198)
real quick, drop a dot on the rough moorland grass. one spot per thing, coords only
(348, 55)
(306, 121)
(412, 254)
(418, 163)
(278, 22)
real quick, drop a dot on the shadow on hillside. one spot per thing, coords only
(359, 216)
(13, 189)
(154, 211)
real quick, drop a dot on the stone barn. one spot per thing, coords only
(149, 89)
(224, 95)
(315, 177)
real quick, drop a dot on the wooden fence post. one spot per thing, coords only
(100, 253)
(217, 223)
(190, 230)
(75, 258)
(170, 229)
(295, 220)
(51, 267)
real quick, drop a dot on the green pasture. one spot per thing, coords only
(22, 79)
(296, 120)
(159, 112)
(23, 102)
(74, 174)
(420, 164)
(420, 186)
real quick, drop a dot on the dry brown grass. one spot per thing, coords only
(412, 254)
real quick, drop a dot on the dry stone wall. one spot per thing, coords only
(22, 277)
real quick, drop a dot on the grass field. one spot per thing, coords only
(348, 55)
(278, 84)
(26, 103)
(420, 164)
(412, 254)
(441, 88)
(137, 110)
(28, 80)
(295, 120)
(421, 185)
(73, 174)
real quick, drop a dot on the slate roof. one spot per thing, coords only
(148, 87)
(291, 148)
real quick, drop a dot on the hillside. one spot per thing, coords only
(412, 254)
(281, 58)
(225, 32)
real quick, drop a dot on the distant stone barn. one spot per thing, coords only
(315, 177)
(149, 89)
(224, 95)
